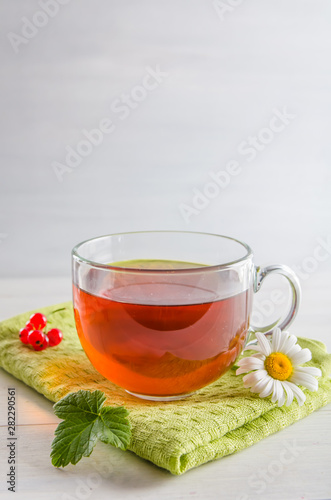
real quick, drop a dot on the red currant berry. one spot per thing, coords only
(55, 336)
(38, 340)
(38, 321)
(24, 335)
(29, 326)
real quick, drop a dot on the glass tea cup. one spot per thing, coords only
(165, 313)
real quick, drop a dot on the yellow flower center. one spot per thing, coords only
(278, 365)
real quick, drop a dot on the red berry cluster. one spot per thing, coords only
(33, 333)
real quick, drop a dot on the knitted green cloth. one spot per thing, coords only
(219, 420)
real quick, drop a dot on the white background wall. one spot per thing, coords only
(225, 78)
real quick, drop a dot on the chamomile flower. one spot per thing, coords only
(275, 368)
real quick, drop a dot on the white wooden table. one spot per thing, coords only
(260, 472)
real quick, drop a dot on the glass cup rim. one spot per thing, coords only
(215, 267)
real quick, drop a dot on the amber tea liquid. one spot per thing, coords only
(160, 336)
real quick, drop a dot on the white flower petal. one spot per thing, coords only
(248, 367)
(296, 348)
(282, 397)
(304, 379)
(253, 347)
(252, 378)
(276, 339)
(248, 360)
(301, 357)
(264, 343)
(284, 338)
(258, 355)
(268, 389)
(289, 343)
(261, 384)
(245, 369)
(298, 394)
(278, 393)
(312, 370)
(289, 393)
(275, 391)
(241, 370)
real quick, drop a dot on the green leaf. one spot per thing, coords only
(85, 420)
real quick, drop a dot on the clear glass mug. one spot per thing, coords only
(165, 313)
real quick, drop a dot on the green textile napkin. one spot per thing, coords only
(218, 420)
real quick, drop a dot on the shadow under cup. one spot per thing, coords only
(162, 314)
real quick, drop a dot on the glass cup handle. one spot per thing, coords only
(260, 275)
